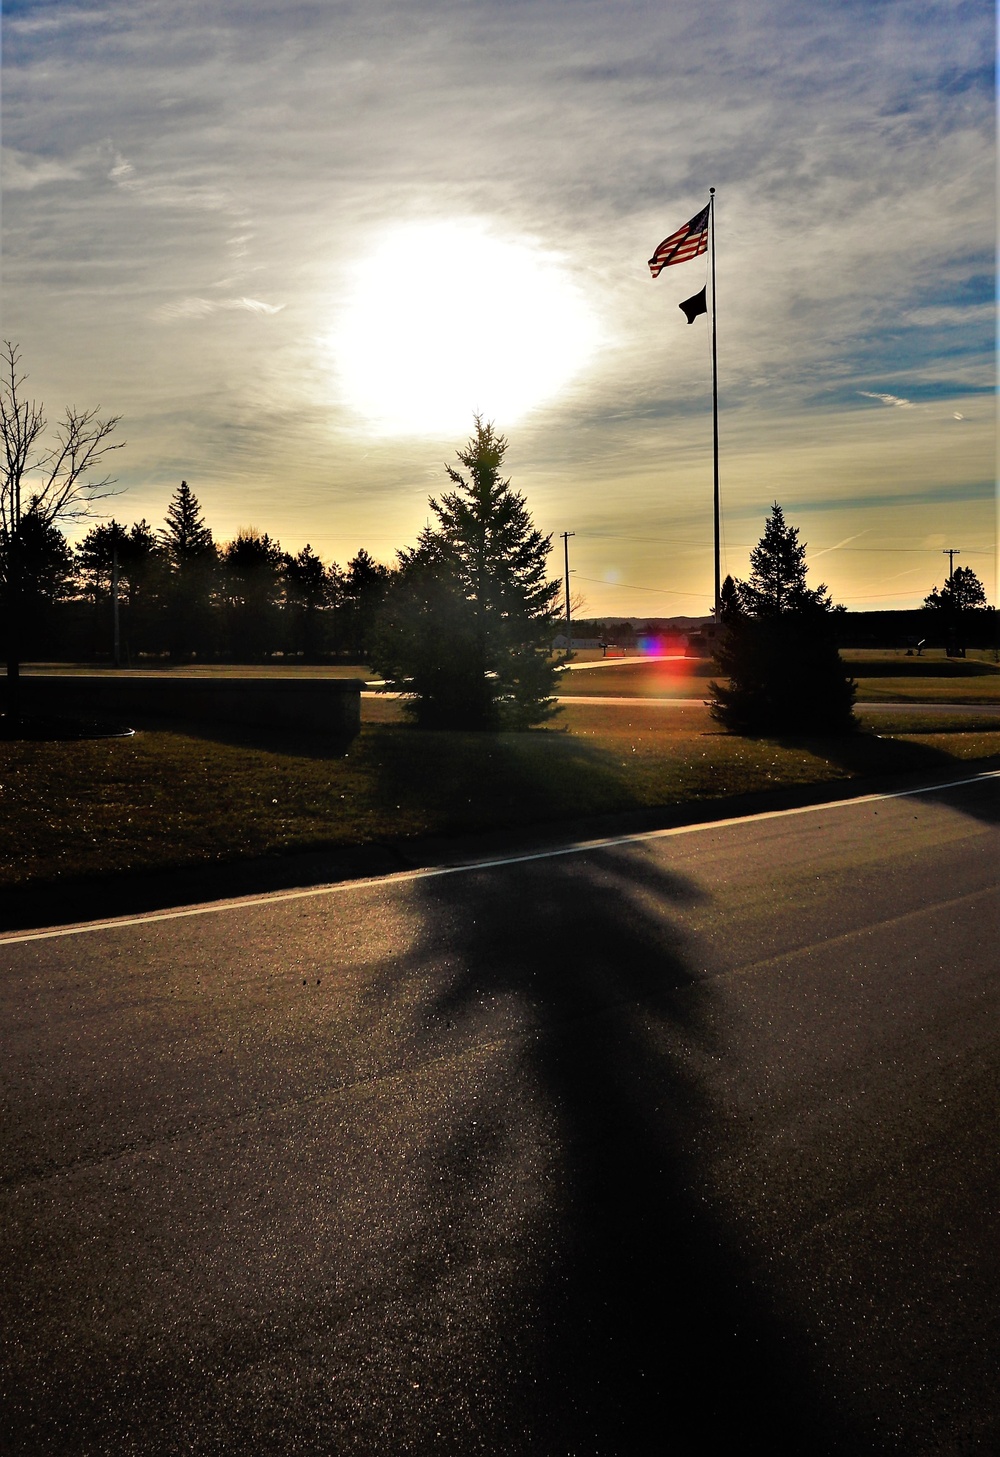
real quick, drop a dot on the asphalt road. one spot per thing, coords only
(679, 1145)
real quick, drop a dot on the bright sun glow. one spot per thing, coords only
(445, 320)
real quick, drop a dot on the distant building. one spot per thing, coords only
(560, 643)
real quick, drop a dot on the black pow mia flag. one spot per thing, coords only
(694, 305)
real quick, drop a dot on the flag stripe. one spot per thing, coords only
(688, 242)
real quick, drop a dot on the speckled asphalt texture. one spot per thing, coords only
(681, 1146)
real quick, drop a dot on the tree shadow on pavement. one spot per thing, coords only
(604, 1308)
(897, 764)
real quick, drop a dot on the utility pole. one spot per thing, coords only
(716, 507)
(114, 607)
(951, 552)
(569, 628)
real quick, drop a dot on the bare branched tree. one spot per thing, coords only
(52, 480)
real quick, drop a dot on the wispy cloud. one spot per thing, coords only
(894, 400)
(24, 171)
(201, 308)
(180, 162)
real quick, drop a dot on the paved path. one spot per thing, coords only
(862, 707)
(682, 1143)
(609, 700)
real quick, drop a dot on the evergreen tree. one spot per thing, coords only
(362, 589)
(469, 622)
(191, 558)
(45, 576)
(961, 597)
(963, 592)
(185, 537)
(142, 576)
(336, 599)
(251, 581)
(777, 581)
(95, 558)
(778, 649)
(307, 598)
(729, 601)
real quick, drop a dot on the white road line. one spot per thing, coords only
(581, 847)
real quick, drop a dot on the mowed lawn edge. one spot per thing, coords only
(167, 800)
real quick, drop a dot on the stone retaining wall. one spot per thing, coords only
(326, 706)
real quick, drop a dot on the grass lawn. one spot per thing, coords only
(165, 799)
(882, 677)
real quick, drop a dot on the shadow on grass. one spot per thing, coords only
(886, 761)
(624, 1320)
(498, 790)
(263, 737)
(494, 780)
(921, 668)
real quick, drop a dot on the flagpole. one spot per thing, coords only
(715, 411)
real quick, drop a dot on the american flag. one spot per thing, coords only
(687, 242)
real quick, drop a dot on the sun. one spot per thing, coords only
(447, 319)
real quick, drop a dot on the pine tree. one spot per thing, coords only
(469, 622)
(307, 596)
(251, 580)
(45, 564)
(192, 557)
(778, 650)
(185, 537)
(361, 592)
(956, 605)
(95, 557)
(777, 580)
(963, 592)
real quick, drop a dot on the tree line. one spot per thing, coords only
(182, 595)
(463, 620)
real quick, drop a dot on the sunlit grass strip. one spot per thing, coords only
(165, 799)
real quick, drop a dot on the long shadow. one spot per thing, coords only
(631, 1323)
(503, 779)
(895, 764)
(502, 787)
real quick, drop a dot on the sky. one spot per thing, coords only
(296, 247)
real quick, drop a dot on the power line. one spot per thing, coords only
(634, 587)
(742, 545)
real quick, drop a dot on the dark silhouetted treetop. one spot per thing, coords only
(192, 559)
(96, 553)
(361, 589)
(500, 558)
(45, 558)
(185, 536)
(729, 600)
(778, 651)
(309, 593)
(963, 592)
(468, 623)
(306, 578)
(777, 581)
(252, 558)
(250, 586)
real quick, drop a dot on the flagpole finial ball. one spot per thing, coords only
(711, 189)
